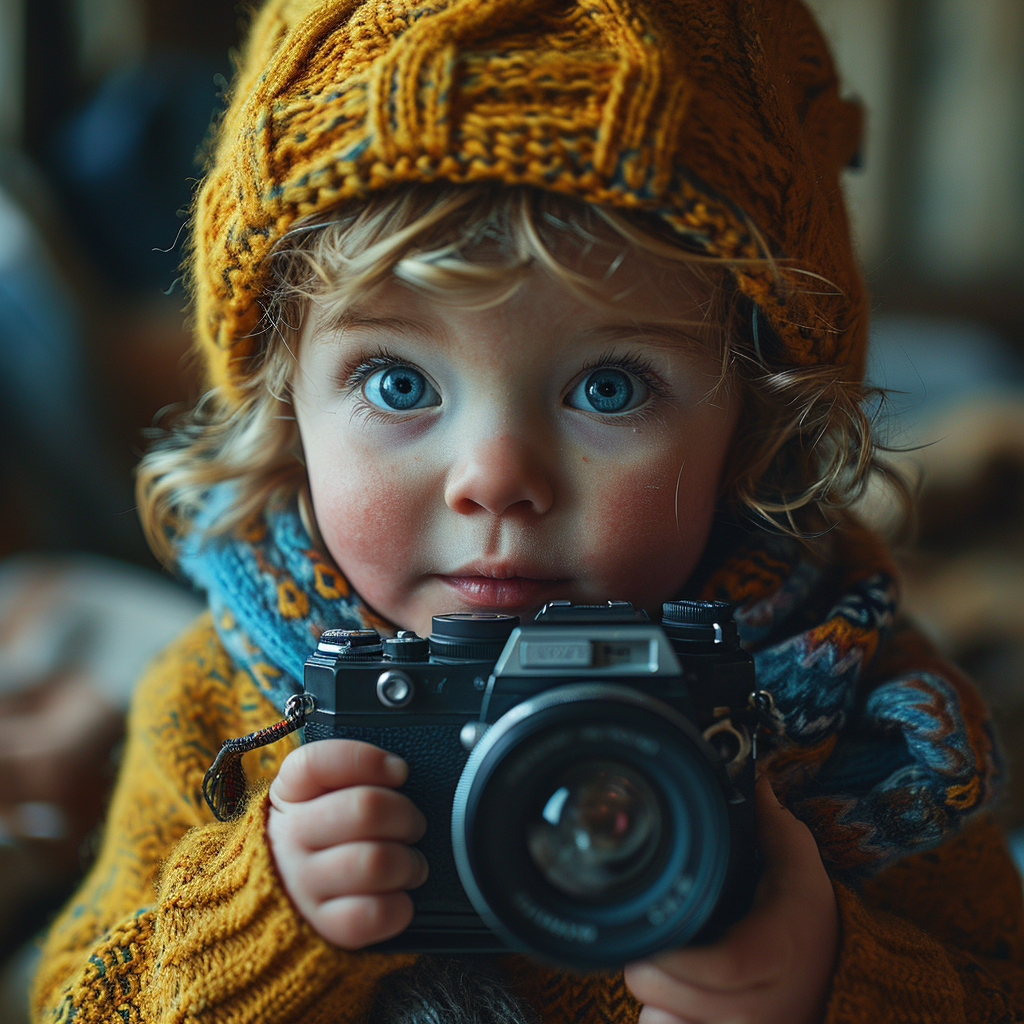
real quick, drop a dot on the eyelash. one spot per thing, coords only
(351, 376)
(633, 363)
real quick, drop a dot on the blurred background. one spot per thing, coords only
(105, 109)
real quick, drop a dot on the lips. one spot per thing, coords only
(502, 587)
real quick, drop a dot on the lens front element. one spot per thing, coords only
(597, 832)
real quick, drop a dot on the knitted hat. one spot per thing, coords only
(723, 118)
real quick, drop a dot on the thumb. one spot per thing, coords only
(785, 842)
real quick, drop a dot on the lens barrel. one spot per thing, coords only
(590, 825)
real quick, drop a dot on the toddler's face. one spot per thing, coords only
(496, 459)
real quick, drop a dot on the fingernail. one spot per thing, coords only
(396, 767)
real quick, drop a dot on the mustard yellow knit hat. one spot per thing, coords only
(724, 118)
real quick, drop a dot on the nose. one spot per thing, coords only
(499, 474)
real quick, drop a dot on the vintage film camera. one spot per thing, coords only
(587, 778)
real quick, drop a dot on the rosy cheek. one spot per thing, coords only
(629, 508)
(634, 535)
(625, 507)
(369, 522)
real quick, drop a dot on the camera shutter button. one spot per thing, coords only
(394, 688)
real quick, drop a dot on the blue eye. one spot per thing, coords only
(400, 388)
(607, 390)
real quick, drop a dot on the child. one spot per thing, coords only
(504, 302)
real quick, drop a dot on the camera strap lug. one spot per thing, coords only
(732, 743)
(224, 783)
(768, 721)
(762, 704)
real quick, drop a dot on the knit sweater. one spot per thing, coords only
(183, 918)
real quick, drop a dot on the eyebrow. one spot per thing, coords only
(355, 318)
(660, 333)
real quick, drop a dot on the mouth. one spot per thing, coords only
(503, 587)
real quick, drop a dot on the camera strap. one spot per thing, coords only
(224, 784)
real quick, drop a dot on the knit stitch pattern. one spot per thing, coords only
(709, 114)
(182, 918)
(272, 592)
(881, 746)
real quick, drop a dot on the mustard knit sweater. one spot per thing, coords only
(183, 918)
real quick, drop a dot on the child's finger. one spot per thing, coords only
(361, 869)
(356, 921)
(757, 951)
(316, 768)
(652, 1015)
(667, 1001)
(356, 814)
(787, 847)
(744, 960)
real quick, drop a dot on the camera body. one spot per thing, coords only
(587, 778)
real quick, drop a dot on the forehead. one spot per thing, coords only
(603, 290)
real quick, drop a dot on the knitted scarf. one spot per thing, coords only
(881, 747)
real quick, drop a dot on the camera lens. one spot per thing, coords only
(590, 825)
(598, 830)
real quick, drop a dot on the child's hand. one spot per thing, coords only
(340, 833)
(775, 966)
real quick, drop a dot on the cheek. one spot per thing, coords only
(630, 506)
(370, 521)
(650, 523)
(634, 511)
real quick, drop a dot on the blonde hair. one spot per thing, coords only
(803, 448)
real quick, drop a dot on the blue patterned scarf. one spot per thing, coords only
(880, 746)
